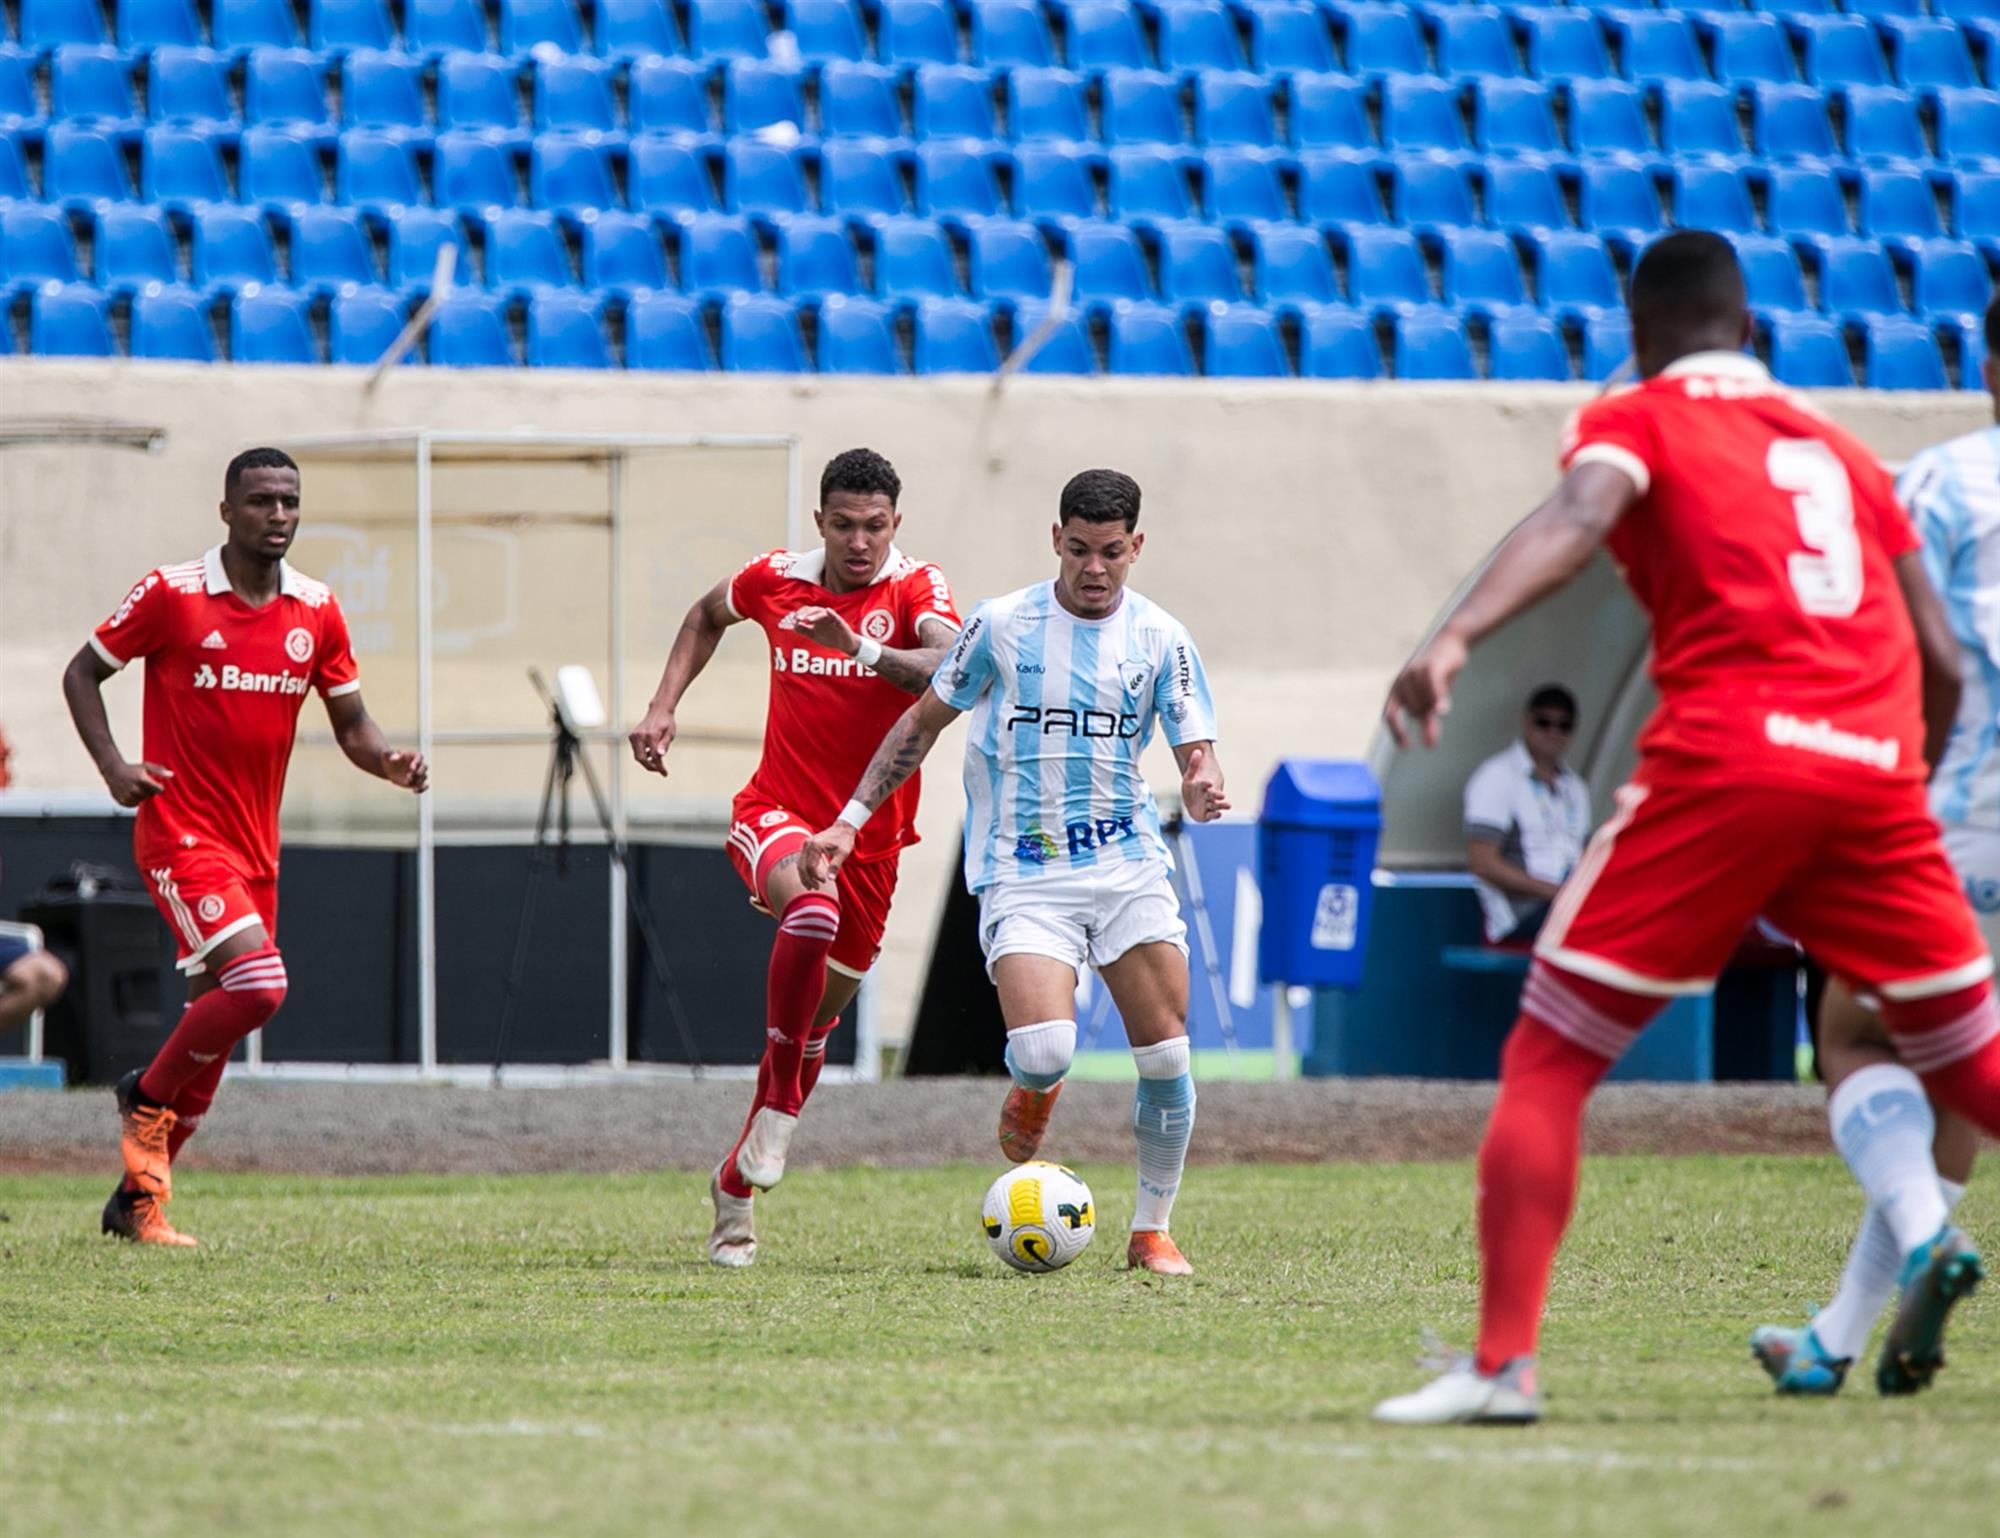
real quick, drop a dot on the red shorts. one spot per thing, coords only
(763, 834)
(206, 900)
(1668, 886)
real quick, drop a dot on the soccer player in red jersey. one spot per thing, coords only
(855, 628)
(233, 642)
(1807, 675)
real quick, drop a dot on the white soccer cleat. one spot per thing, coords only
(733, 1240)
(1460, 1395)
(760, 1160)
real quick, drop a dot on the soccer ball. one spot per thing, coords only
(1038, 1216)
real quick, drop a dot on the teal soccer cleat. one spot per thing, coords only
(1937, 1274)
(1796, 1361)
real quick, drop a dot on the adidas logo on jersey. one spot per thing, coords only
(213, 642)
(247, 682)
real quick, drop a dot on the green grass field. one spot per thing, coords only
(550, 1356)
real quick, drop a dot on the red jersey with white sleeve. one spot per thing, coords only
(827, 712)
(224, 685)
(1761, 546)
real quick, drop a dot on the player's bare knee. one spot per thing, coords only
(51, 977)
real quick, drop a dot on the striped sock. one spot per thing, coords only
(797, 980)
(1162, 1123)
(1883, 1127)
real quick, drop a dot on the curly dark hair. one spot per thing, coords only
(862, 472)
(1101, 496)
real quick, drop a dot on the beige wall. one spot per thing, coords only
(1307, 533)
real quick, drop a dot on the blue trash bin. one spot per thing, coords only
(1316, 840)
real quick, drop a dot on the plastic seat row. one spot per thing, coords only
(432, 25)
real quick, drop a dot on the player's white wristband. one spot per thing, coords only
(854, 814)
(868, 652)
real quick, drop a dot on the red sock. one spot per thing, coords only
(252, 988)
(732, 1181)
(193, 1104)
(796, 982)
(813, 1059)
(1952, 1043)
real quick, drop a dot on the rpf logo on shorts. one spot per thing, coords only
(299, 644)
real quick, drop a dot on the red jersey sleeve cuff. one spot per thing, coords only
(111, 659)
(1619, 458)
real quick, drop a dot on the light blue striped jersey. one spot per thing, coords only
(1061, 709)
(1953, 493)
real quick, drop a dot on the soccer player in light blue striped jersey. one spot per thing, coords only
(1066, 681)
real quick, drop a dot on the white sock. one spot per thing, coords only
(1162, 1122)
(1868, 1282)
(1039, 1055)
(1883, 1126)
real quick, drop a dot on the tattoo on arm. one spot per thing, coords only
(910, 670)
(895, 760)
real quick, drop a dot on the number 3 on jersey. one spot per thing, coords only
(1827, 573)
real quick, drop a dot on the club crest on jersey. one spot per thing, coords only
(878, 624)
(299, 645)
(1036, 848)
(772, 819)
(209, 909)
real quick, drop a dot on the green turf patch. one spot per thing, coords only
(551, 1356)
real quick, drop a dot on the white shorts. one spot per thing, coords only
(1084, 917)
(1975, 854)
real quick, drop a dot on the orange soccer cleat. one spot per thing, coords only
(1155, 1251)
(136, 1216)
(144, 1129)
(1024, 1117)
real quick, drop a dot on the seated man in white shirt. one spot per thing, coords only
(1527, 815)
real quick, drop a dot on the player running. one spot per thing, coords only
(1799, 653)
(1062, 846)
(855, 628)
(233, 641)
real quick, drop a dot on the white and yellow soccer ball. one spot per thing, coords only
(1038, 1216)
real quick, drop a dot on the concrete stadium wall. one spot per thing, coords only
(1306, 532)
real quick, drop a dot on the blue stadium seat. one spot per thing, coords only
(278, 166)
(1806, 200)
(1010, 32)
(1607, 343)
(524, 250)
(172, 323)
(856, 337)
(622, 251)
(470, 330)
(1771, 274)
(1839, 50)
(1046, 104)
(1618, 198)
(1573, 271)
(1949, 277)
(1789, 122)
(235, 25)
(362, 324)
(176, 165)
(566, 330)
(816, 257)
(382, 90)
(860, 178)
(472, 170)
(573, 92)
(826, 29)
(758, 94)
(1381, 39)
(133, 245)
(1149, 181)
(760, 334)
(1142, 107)
(1901, 354)
(762, 178)
(1104, 36)
(158, 23)
(526, 25)
(1525, 346)
(48, 23)
(1148, 339)
(1854, 276)
(1968, 127)
(668, 96)
(1563, 44)
(1008, 260)
(91, 87)
(271, 325)
(186, 86)
(570, 171)
(35, 245)
(1885, 7)
(19, 107)
(1927, 52)
(67, 320)
(1335, 189)
(330, 249)
(665, 331)
(1385, 266)
(232, 245)
(1748, 47)
(957, 179)
(335, 26)
(442, 26)
(377, 168)
(1420, 113)
(952, 101)
(913, 257)
(13, 168)
(727, 29)
(478, 91)
(1514, 117)
(1698, 117)
(1243, 342)
(1965, 10)
(1329, 112)
(1970, 336)
(918, 32)
(1293, 266)
(1430, 192)
(1976, 207)
(1338, 343)
(1655, 45)
(1430, 344)
(1523, 195)
(1108, 259)
(1052, 181)
(636, 29)
(1066, 349)
(1608, 117)
(1202, 37)
(1898, 203)
(718, 252)
(1198, 264)
(285, 85)
(1245, 184)
(1474, 40)
(1482, 268)
(1882, 125)
(954, 336)
(859, 101)
(1710, 196)
(1283, 38)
